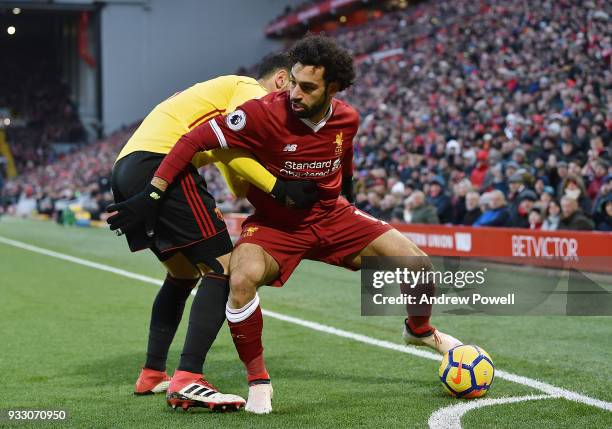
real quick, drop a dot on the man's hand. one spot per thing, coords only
(141, 208)
(297, 194)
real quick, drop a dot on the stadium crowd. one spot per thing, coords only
(81, 179)
(41, 110)
(484, 113)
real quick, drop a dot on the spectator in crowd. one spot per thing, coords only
(547, 195)
(535, 218)
(519, 212)
(472, 208)
(387, 208)
(373, 204)
(460, 190)
(572, 217)
(553, 216)
(496, 213)
(480, 170)
(573, 187)
(560, 173)
(496, 179)
(603, 214)
(419, 210)
(600, 170)
(440, 200)
(516, 186)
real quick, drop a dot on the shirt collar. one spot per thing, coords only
(316, 127)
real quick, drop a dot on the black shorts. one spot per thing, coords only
(189, 220)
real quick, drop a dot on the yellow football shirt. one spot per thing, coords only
(185, 110)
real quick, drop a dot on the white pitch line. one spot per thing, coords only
(530, 382)
(450, 417)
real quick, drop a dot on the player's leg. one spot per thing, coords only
(417, 329)
(166, 314)
(207, 315)
(189, 221)
(188, 386)
(250, 267)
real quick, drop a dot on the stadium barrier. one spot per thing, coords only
(586, 251)
(316, 10)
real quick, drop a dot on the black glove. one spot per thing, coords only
(297, 194)
(141, 208)
(347, 189)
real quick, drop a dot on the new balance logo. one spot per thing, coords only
(290, 148)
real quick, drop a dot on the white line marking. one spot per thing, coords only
(530, 382)
(450, 417)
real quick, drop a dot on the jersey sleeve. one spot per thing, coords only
(246, 166)
(243, 128)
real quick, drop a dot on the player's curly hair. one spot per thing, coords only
(323, 51)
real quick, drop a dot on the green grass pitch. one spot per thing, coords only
(73, 338)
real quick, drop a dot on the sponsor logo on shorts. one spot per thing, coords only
(249, 231)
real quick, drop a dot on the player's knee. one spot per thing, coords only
(243, 286)
(420, 263)
(186, 283)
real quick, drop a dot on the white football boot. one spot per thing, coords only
(436, 340)
(200, 393)
(260, 399)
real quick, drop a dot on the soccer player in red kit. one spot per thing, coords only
(304, 133)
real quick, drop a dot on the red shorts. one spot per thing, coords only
(344, 231)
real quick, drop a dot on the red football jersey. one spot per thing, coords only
(288, 146)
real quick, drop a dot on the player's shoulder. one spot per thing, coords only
(345, 110)
(272, 103)
(275, 100)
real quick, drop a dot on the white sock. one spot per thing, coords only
(238, 315)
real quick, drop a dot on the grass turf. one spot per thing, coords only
(73, 338)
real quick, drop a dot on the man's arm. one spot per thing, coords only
(239, 169)
(347, 176)
(218, 132)
(201, 138)
(246, 165)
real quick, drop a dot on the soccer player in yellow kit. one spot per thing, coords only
(190, 237)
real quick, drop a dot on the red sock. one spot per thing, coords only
(419, 314)
(247, 339)
(419, 324)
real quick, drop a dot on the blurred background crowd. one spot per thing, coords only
(486, 113)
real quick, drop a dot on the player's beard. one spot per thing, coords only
(314, 110)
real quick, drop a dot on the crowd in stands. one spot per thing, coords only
(80, 179)
(289, 10)
(491, 114)
(41, 110)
